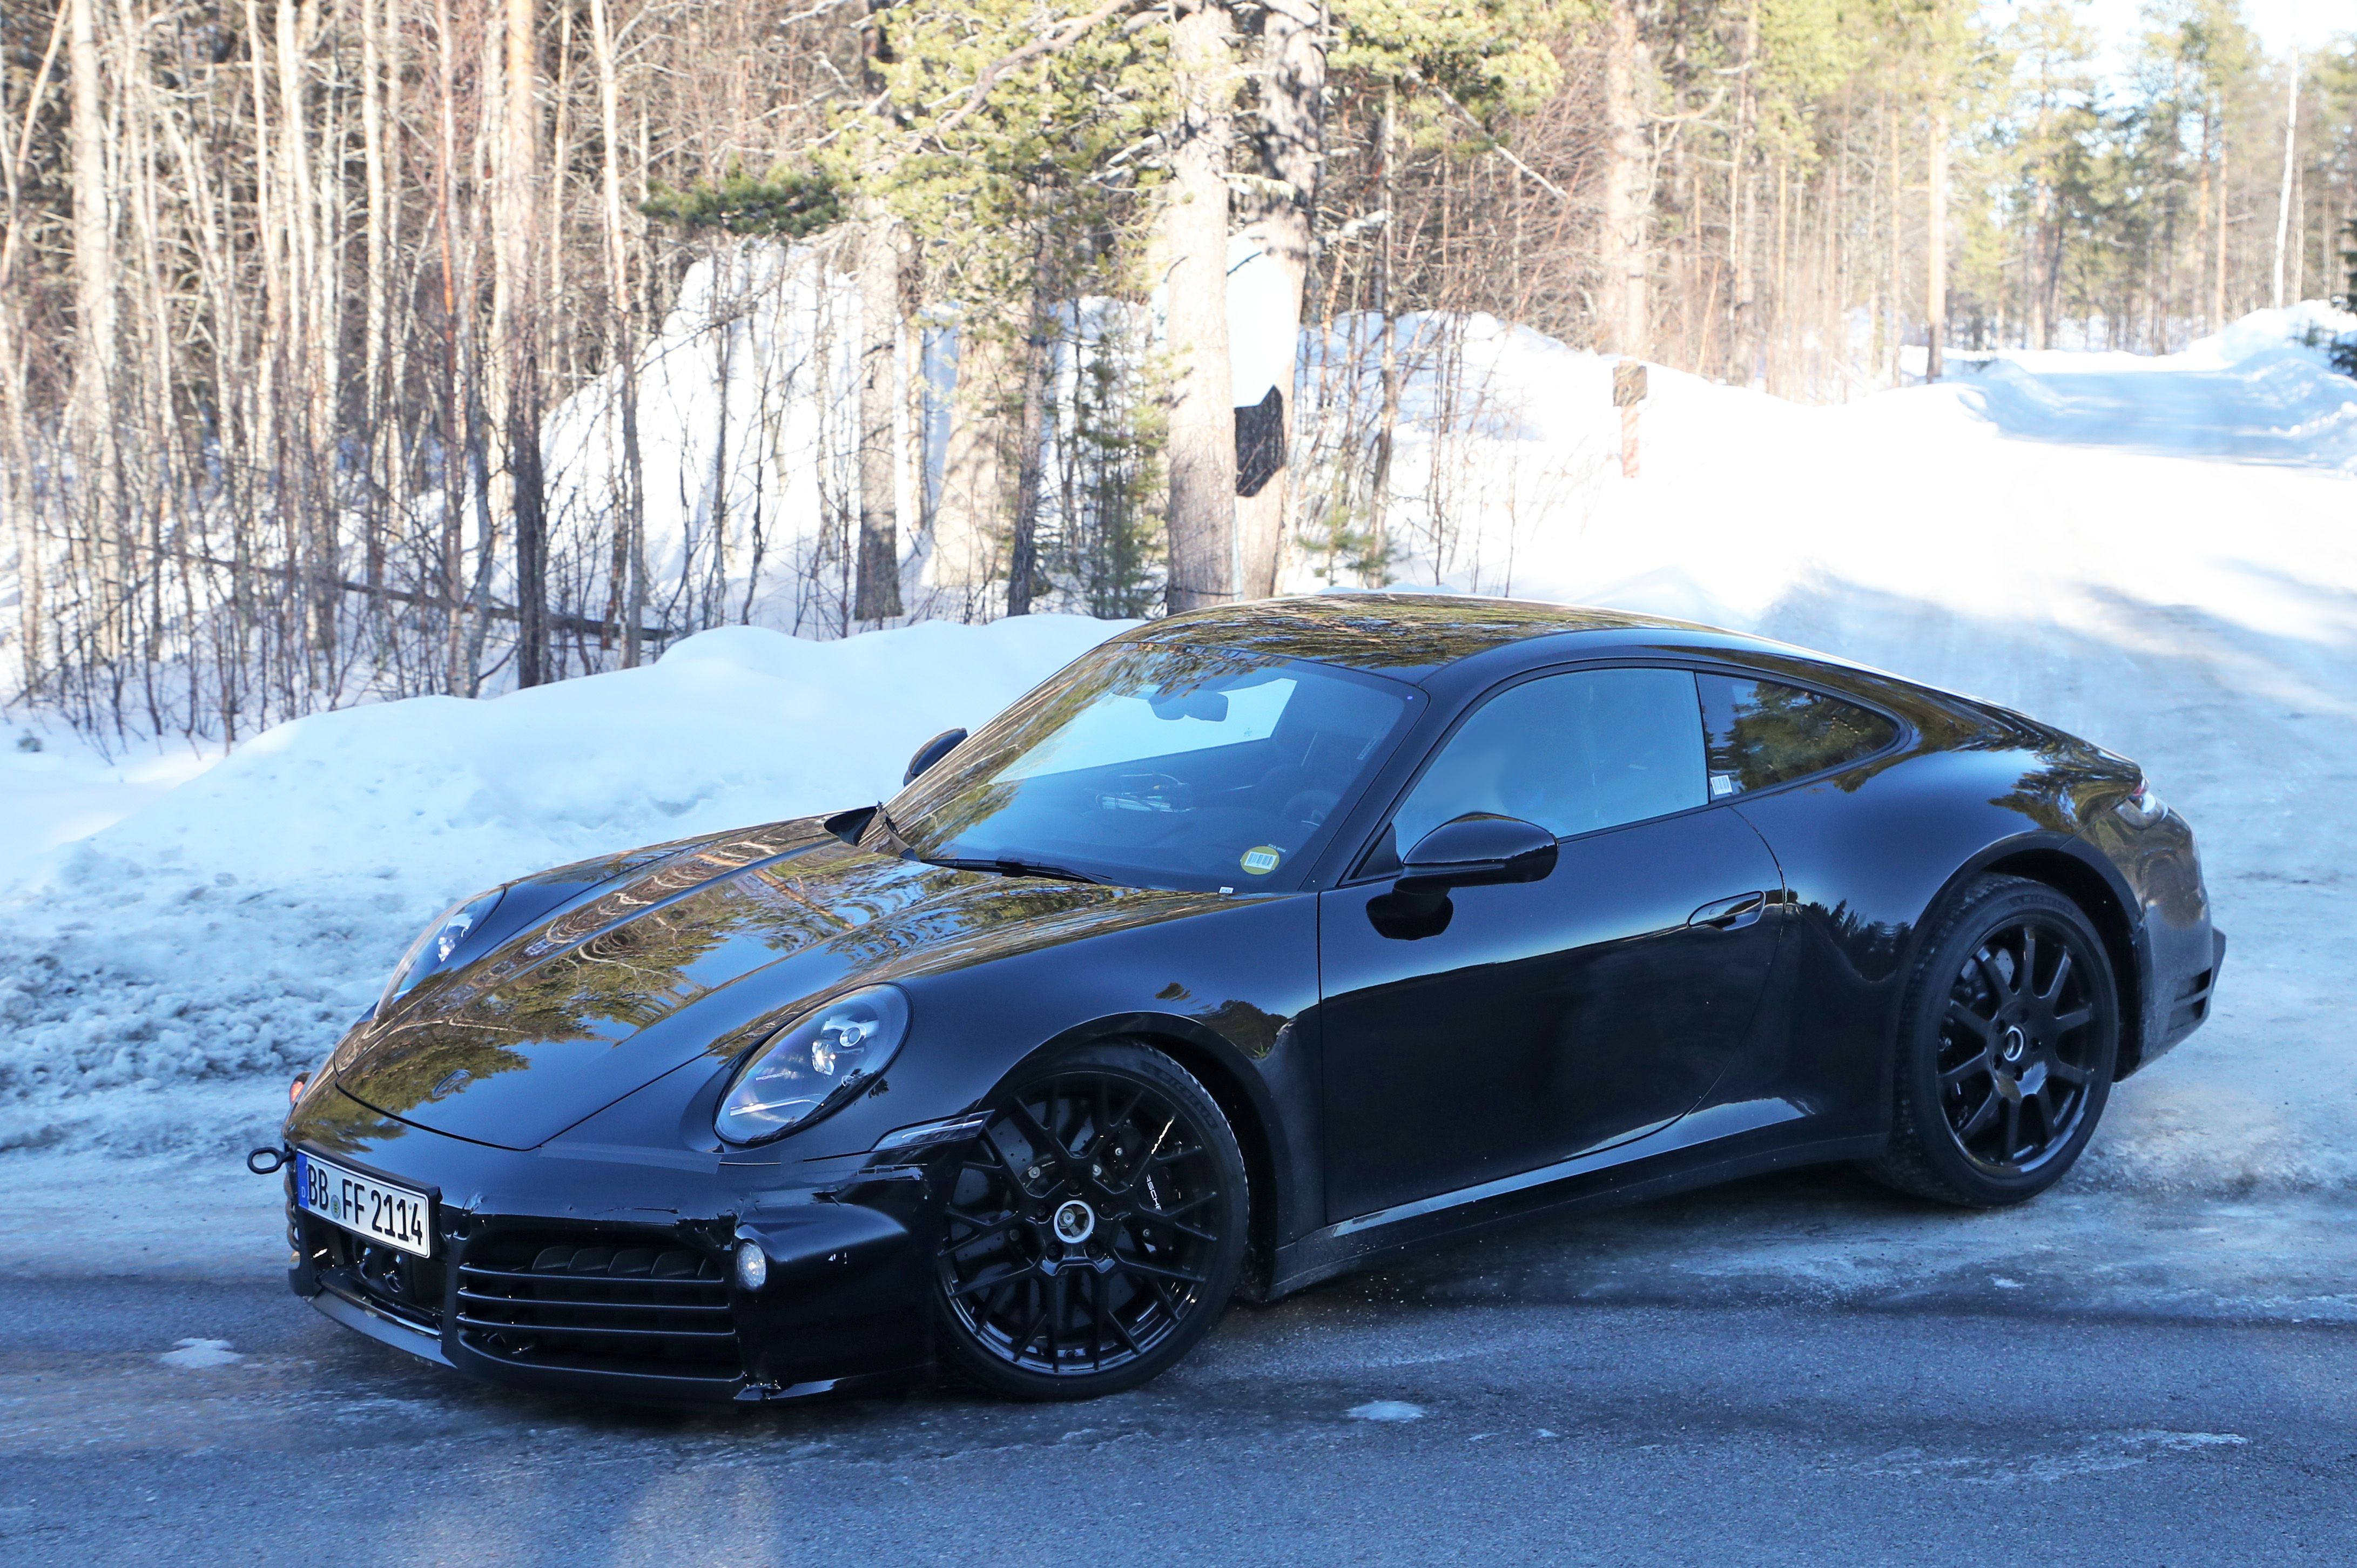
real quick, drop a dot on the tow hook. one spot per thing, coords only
(277, 1160)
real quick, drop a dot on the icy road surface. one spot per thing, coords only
(1557, 1398)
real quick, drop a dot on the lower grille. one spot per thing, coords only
(392, 1283)
(636, 1304)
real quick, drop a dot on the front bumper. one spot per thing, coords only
(2184, 982)
(641, 1306)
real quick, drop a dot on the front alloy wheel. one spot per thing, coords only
(1094, 1229)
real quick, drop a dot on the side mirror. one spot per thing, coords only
(1476, 850)
(932, 751)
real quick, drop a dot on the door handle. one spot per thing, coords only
(1730, 914)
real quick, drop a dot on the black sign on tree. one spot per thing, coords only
(1260, 442)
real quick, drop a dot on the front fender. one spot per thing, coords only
(1230, 990)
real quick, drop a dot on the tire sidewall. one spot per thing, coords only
(1145, 1065)
(1992, 905)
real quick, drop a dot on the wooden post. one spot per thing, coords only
(1628, 392)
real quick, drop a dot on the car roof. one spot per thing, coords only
(1411, 636)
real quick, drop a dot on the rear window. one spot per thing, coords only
(1762, 733)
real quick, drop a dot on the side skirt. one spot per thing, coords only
(1552, 1190)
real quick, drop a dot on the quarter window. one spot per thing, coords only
(1574, 752)
(1763, 733)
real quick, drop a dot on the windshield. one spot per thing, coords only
(1158, 765)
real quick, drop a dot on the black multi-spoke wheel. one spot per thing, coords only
(2006, 1048)
(1096, 1228)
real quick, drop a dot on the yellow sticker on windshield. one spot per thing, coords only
(1261, 859)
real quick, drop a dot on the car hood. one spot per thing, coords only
(696, 954)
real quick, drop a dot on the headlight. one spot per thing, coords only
(813, 1065)
(430, 953)
(2143, 808)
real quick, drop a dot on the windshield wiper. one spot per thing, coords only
(1006, 866)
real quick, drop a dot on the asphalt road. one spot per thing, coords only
(1563, 1395)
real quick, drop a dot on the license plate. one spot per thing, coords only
(365, 1205)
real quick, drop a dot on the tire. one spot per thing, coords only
(1094, 1230)
(1999, 1084)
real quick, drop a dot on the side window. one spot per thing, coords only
(1573, 753)
(1763, 733)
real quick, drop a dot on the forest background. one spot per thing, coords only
(361, 348)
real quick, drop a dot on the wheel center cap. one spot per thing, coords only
(1075, 1222)
(2015, 1045)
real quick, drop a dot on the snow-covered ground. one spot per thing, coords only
(2161, 554)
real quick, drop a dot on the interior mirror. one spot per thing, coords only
(1475, 849)
(932, 751)
(1195, 704)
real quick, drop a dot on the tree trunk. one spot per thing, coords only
(1379, 484)
(2282, 194)
(966, 520)
(2218, 279)
(516, 308)
(877, 595)
(1031, 428)
(456, 366)
(628, 588)
(1738, 206)
(306, 505)
(373, 410)
(1202, 437)
(1627, 190)
(1292, 143)
(90, 412)
(1898, 247)
(1935, 240)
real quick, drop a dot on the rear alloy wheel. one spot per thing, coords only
(2011, 1030)
(1095, 1229)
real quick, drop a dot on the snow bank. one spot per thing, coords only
(2312, 323)
(231, 927)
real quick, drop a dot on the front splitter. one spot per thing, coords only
(382, 1329)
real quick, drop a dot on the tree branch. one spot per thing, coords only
(1056, 42)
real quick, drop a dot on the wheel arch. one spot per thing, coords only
(1231, 1079)
(2071, 869)
(2106, 907)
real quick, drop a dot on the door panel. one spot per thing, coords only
(1548, 1019)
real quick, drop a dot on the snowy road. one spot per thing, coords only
(1469, 1410)
(2214, 414)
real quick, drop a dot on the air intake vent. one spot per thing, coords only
(632, 1305)
(2192, 1003)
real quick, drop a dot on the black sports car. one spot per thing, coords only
(1255, 943)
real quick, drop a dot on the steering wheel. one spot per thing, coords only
(1147, 792)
